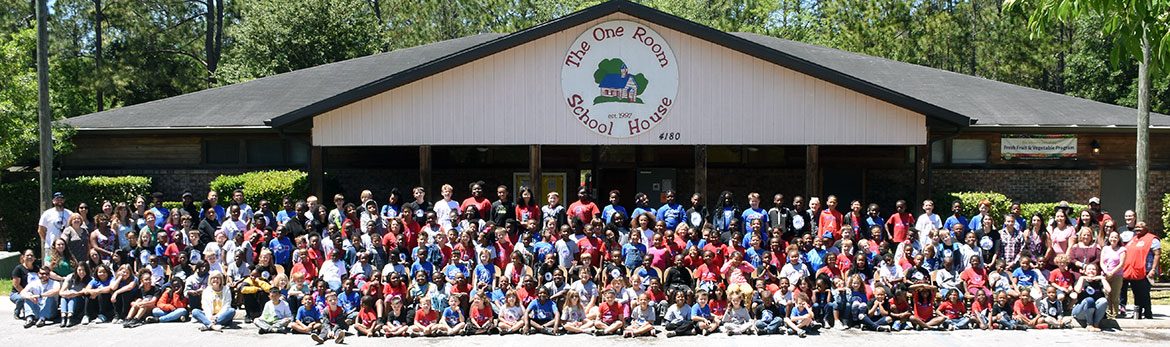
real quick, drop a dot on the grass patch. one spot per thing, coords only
(605, 99)
(5, 285)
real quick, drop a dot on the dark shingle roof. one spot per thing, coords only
(250, 104)
(290, 98)
(988, 102)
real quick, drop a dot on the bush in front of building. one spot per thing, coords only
(1047, 209)
(262, 185)
(171, 205)
(19, 210)
(1000, 204)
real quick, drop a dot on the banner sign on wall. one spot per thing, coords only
(619, 78)
(1021, 146)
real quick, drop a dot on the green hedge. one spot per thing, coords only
(19, 208)
(1000, 204)
(269, 185)
(1048, 209)
(170, 205)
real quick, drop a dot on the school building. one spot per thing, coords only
(622, 96)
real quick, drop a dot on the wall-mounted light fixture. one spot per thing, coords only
(481, 149)
(1096, 146)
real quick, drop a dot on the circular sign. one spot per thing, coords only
(619, 79)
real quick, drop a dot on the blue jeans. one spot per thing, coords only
(223, 318)
(872, 324)
(769, 326)
(69, 306)
(1090, 310)
(1007, 323)
(40, 310)
(164, 317)
(960, 323)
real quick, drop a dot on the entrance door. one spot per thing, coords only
(1118, 189)
(655, 183)
(846, 184)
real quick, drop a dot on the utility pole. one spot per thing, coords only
(46, 119)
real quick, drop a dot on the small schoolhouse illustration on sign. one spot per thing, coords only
(617, 84)
(620, 85)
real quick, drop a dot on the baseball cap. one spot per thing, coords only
(58, 195)
(1094, 200)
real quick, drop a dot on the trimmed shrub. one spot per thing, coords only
(1165, 217)
(19, 211)
(1048, 209)
(262, 185)
(170, 205)
(1000, 204)
(1164, 260)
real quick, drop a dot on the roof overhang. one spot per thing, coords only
(934, 113)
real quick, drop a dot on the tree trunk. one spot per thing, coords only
(1143, 128)
(98, 18)
(213, 38)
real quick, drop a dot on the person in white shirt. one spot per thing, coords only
(927, 222)
(52, 222)
(794, 270)
(447, 209)
(246, 211)
(39, 298)
(276, 315)
(233, 225)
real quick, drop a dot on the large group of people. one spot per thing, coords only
(477, 266)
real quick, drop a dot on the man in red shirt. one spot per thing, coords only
(1140, 268)
(584, 208)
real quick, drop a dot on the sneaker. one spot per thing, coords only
(671, 333)
(205, 328)
(802, 335)
(340, 337)
(318, 338)
(883, 328)
(29, 322)
(185, 319)
(41, 323)
(262, 331)
(65, 322)
(730, 333)
(247, 320)
(151, 320)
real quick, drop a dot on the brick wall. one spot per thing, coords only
(1022, 185)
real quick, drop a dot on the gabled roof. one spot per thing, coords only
(946, 98)
(988, 102)
(250, 104)
(932, 112)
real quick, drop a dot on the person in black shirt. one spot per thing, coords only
(148, 295)
(420, 205)
(697, 215)
(503, 209)
(208, 226)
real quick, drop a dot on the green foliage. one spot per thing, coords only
(263, 185)
(1166, 219)
(1000, 204)
(1164, 260)
(19, 211)
(18, 103)
(279, 36)
(170, 205)
(1047, 209)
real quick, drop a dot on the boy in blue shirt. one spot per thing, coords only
(701, 314)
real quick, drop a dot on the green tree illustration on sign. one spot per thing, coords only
(616, 86)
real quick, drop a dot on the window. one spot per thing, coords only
(968, 151)
(221, 151)
(938, 151)
(265, 152)
(298, 152)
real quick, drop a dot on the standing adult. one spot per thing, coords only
(1141, 268)
(52, 222)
